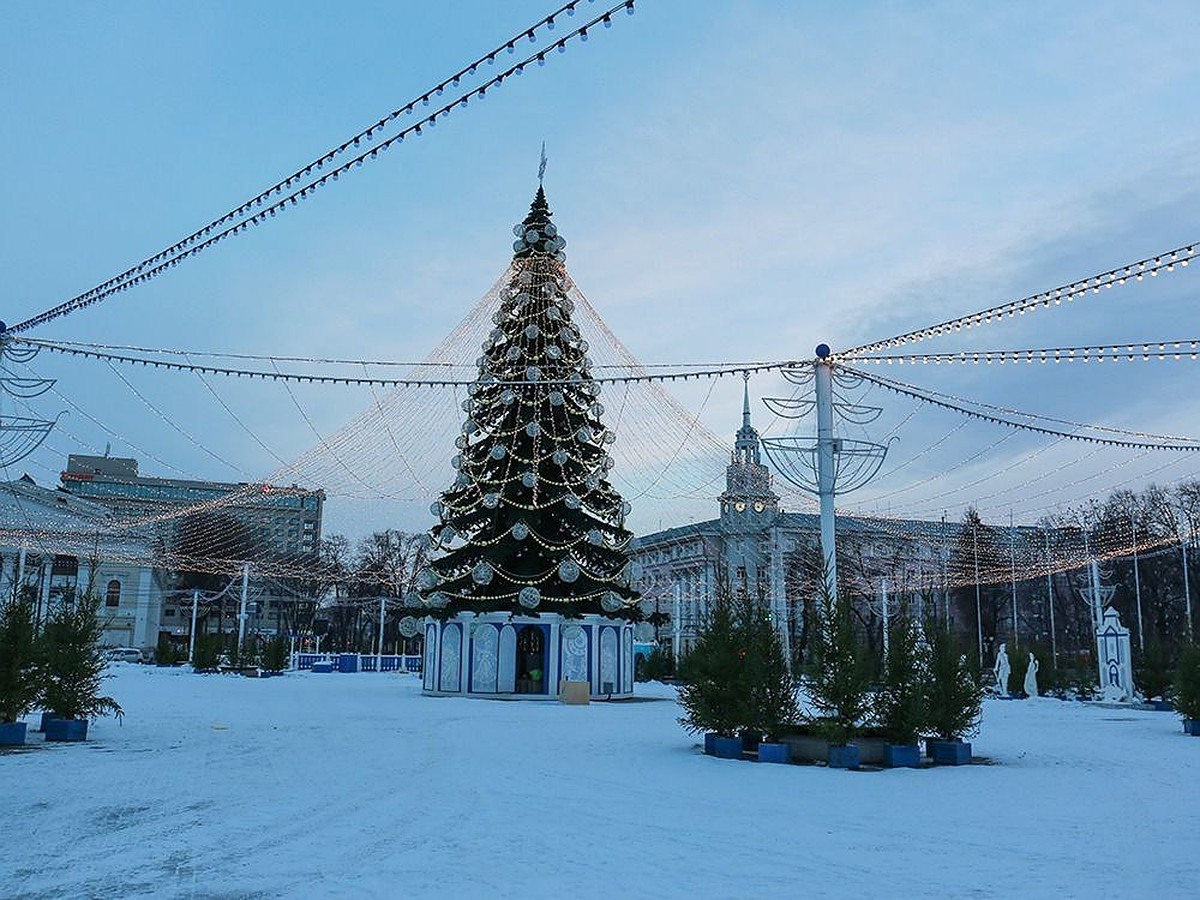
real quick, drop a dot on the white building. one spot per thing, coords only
(58, 546)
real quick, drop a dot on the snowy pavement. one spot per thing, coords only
(340, 786)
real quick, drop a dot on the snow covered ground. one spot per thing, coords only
(338, 786)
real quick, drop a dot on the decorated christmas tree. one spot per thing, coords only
(531, 521)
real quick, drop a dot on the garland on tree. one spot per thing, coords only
(531, 521)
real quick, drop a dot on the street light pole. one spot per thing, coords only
(379, 649)
(192, 632)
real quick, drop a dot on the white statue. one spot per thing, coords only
(1031, 688)
(1002, 669)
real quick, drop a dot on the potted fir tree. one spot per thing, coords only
(900, 701)
(71, 665)
(1187, 688)
(953, 698)
(839, 678)
(1153, 673)
(771, 689)
(18, 673)
(275, 656)
(711, 689)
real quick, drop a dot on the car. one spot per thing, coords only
(124, 654)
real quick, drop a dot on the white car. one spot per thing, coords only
(124, 654)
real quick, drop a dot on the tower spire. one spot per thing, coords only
(746, 444)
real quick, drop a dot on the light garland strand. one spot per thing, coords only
(943, 401)
(1151, 265)
(239, 220)
(1136, 350)
(682, 374)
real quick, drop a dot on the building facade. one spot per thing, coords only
(56, 547)
(756, 548)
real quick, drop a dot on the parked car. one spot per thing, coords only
(124, 654)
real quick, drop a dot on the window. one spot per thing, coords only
(112, 596)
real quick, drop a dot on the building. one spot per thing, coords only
(285, 520)
(755, 547)
(55, 546)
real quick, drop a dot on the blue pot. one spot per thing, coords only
(950, 753)
(774, 753)
(67, 730)
(727, 747)
(843, 756)
(1191, 726)
(348, 662)
(12, 734)
(896, 756)
(708, 742)
(322, 667)
(1163, 706)
(45, 720)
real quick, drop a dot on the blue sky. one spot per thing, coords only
(736, 181)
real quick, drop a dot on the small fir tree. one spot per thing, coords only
(712, 686)
(771, 690)
(900, 701)
(164, 653)
(1187, 682)
(531, 520)
(206, 656)
(1153, 669)
(275, 654)
(71, 663)
(658, 665)
(18, 663)
(954, 695)
(839, 671)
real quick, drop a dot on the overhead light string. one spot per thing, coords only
(1135, 271)
(287, 193)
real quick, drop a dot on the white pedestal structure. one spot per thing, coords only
(1115, 658)
(525, 657)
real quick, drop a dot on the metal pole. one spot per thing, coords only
(192, 631)
(242, 609)
(1137, 585)
(978, 608)
(1012, 549)
(1050, 603)
(676, 625)
(886, 619)
(825, 472)
(379, 649)
(1187, 591)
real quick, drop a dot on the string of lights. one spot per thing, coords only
(1151, 265)
(1144, 351)
(1162, 442)
(296, 188)
(682, 373)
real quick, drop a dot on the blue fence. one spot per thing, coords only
(360, 662)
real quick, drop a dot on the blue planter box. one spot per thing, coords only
(1191, 726)
(727, 747)
(950, 753)
(348, 662)
(46, 717)
(325, 667)
(12, 734)
(896, 756)
(708, 742)
(68, 730)
(843, 756)
(1163, 706)
(774, 753)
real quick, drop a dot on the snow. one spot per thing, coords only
(344, 785)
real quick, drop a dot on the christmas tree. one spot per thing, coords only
(531, 521)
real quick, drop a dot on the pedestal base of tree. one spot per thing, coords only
(498, 656)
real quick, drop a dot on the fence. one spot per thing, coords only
(358, 662)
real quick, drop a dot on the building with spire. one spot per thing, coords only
(755, 547)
